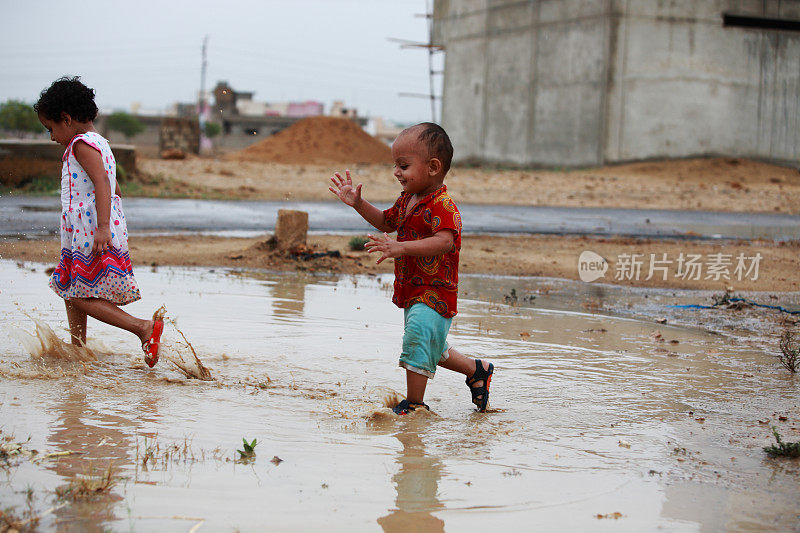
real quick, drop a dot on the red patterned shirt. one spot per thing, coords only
(432, 280)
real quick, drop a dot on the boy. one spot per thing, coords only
(425, 254)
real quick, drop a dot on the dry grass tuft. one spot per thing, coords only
(790, 351)
(87, 486)
(9, 521)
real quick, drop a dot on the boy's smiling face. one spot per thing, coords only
(416, 171)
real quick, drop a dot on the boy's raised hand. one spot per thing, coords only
(343, 188)
(384, 244)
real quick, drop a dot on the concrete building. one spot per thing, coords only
(589, 82)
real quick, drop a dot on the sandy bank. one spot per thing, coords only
(715, 184)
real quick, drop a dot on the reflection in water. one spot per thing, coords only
(100, 439)
(289, 299)
(417, 484)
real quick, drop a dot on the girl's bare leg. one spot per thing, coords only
(462, 364)
(110, 313)
(415, 386)
(77, 324)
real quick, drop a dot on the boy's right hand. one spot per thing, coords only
(343, 188)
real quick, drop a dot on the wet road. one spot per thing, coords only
(37, 216)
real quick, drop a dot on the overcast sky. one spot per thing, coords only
(149, 52)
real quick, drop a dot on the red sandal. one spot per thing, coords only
(151, 345)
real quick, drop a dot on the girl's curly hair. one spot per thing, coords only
(70, 96)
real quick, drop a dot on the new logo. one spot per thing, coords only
(591, 266)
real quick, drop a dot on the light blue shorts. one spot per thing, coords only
(424, 339)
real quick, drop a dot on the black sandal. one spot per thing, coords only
(480, 395)
(405, 407)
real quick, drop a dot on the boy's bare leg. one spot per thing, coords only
(77, 324)
(415, 386)
(462, 364)
(110, 313)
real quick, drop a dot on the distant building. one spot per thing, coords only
(232, 103)
(243, 119)
(309, 108)
(338, 109)
(379, 128)
(566, 83)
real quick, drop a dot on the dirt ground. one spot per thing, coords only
(718, 184)
(534, 255)
(713, 184)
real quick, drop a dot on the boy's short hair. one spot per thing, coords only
(67, 95)
(437, 141)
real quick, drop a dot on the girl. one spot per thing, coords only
(94, 275)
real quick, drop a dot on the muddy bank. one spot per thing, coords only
(533, 255)
(713, 184)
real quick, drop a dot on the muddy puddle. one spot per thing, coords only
(600, 419)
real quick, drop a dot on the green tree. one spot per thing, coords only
(125, 123)
(212, 129)
(19, 117)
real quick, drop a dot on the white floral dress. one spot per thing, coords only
(80, 272)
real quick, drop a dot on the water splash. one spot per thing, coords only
(44, 343)
(389, 397)
(182, 354)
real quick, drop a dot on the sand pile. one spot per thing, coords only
(318, 140)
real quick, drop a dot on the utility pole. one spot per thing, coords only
(432, 49)
(201, 100)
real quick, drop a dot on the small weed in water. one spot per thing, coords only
(10, 521)
(152, 454)
(249, 452)
(783, 449)
(790, 351)
(85, 486)
(511, 298)
(357, 243)
(28, 520)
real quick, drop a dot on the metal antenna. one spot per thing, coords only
(429, 17)
(432, 48)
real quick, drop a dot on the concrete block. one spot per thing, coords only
(618, 80)
(573, 52)
(789, 10)
(561, 10)
(779, 96)
(566, 126)
(462, 105)
(463, 19)
(503, 18)
(690, 49)
(708, 10)
(508, 97)
(291, 229)
(753, 8)
(672, 118)
(179, 133)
